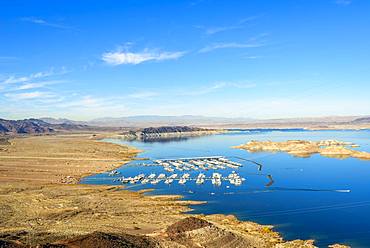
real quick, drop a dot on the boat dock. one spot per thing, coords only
(196, 163)
(216, 179)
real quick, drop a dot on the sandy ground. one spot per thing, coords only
(41, 206)
(304, 148)
(61, 158)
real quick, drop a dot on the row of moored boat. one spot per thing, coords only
(196, 164)
(216, 178)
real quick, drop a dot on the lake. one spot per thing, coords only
(304, 201)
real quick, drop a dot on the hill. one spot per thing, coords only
(362, 120)
(35, 126)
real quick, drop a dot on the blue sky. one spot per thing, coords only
(258, 59)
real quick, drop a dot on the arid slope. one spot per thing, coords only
(59, 158)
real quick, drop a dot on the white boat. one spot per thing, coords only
(168, 168)
(186, 176)
(200, 178)
(182, 181)
(151, 176)
(168, 181)
(238, 182)
(144, 181)
(155, 181)
(113, 172)
(125, 180)
(216, 181)
(140, 176)
(216, 175)
(233, 174)
(176, 164)
(161, 176)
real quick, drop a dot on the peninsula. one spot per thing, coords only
(304, 148)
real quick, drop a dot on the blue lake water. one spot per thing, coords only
(301, 203)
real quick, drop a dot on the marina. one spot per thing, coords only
(216, 179)
(187, 164)
(196, 163)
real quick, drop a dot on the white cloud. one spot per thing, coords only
(143, 95)
(215, 30)
(217, 46)
(28, 86)
(239, 25)
(253, 42)
(14, 79)
(119, 58)
(43, 22)
(29, 95)
(217, 86)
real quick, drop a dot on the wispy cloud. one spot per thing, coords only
(217, 46)
(120, 58)
(33, 87)
(22, 79)
(218, 29)
(343, 2)
(143, 95)
(252, 57)
(218, 86)
(256, 41)
(29, 95)
(43, 22)
(28, 86)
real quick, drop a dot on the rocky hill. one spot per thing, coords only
(30, 126)
(167, 132)
(362, 120)
(35, 126)
(170, 129)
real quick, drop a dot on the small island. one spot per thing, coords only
(304, 148)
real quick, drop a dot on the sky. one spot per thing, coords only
(255, 59)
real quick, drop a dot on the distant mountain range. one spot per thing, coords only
(156, 120)
(35, 126)
(51, 125)
(194, 120)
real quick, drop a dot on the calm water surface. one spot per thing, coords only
(301, 203)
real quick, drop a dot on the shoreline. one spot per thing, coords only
(82, 205)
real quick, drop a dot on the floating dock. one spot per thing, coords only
(216, 179)
(196, 163)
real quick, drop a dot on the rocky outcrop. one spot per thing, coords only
(303, 148)
(168, 132)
